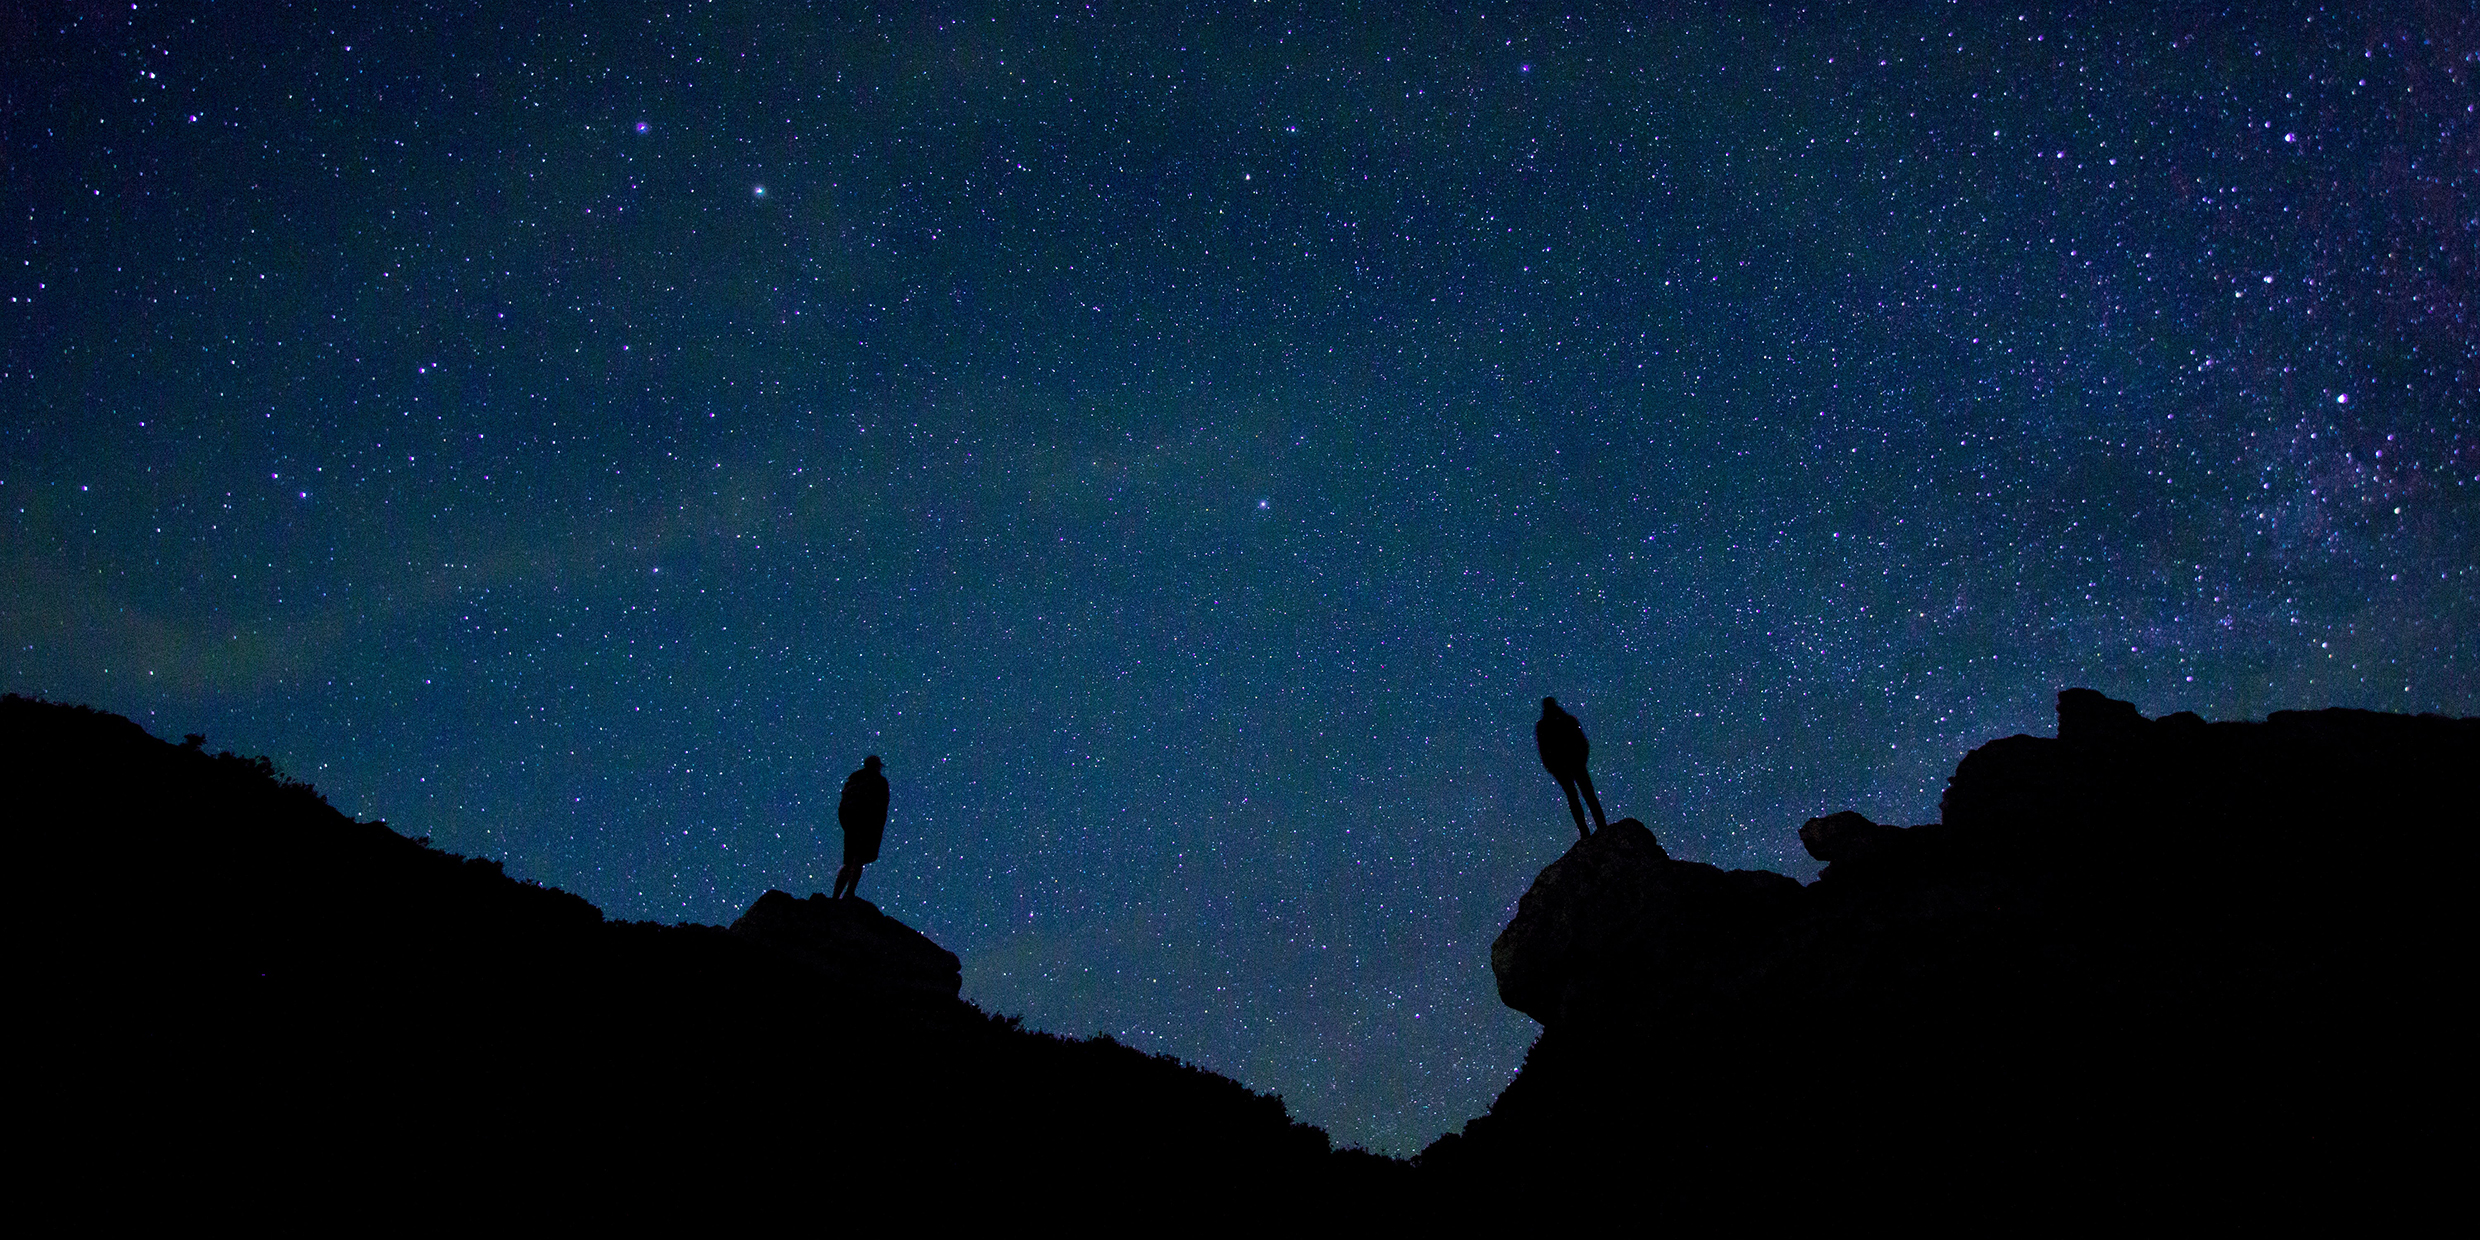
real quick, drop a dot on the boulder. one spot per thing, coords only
(2087, 717)
(2050, 797)
(850, 941)
(1616, 921)
(1846, 837)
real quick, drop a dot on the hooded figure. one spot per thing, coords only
(863, 815)
(1563, 750)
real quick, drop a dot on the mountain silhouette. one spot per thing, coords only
(265, 1003)
(2194, 970)
(2145, 961)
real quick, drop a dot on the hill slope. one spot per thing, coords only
(2146, 960)
(242, 984)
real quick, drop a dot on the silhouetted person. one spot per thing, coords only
(1563, 750)
(863, 815)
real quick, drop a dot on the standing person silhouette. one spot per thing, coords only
(1563, 750)
(863, 815)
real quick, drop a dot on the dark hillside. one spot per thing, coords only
(241, 987)
(2144, 961)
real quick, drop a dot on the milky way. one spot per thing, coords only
(1188, 450)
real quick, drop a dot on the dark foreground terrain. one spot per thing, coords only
(248, 999)
(2147, 968)
(2146, 964)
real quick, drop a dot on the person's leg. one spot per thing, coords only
(1599, 822)
(853, 888)
(844, 880)
(1574, 806)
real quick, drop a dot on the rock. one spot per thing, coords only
(1616, 920)
(2165, 943)
(849, 940)
(2048, 796)
(2086, 717)
(2188, 792)
(1845, 837)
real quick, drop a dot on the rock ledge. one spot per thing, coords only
(849, 940)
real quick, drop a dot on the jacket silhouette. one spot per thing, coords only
(1563, 750)
(863, 814)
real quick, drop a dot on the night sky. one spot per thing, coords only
(1187, 449)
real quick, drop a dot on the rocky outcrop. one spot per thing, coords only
(2142, 947)
(1848, 838)
(2115, 788)
(850, 941)
(2087, 717)
(1616, 912)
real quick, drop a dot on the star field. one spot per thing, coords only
(1187, 449)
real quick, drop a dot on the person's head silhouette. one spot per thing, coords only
(870, 762)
